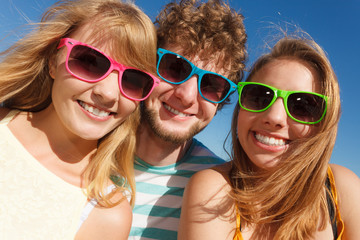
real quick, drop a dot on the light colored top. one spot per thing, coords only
(159, 192)
(339, 221)
(34, 202)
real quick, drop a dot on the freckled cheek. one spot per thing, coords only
(58, 69)
(162, 88)
(208, 110)
(160, 93)
(242, 125)
(126, 107)
(246, 117)
(299, 130)
(245, 123)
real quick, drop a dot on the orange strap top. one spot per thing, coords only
(238, 235)
(339, 221)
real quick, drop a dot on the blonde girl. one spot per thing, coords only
(70, 92)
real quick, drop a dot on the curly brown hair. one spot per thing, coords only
(206, 30)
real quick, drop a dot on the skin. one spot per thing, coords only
(209, 213)
(104, 95)
(67, 134)
(348, 187)
(274, 122)
(175, 113)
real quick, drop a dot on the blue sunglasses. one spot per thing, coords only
(175, 69)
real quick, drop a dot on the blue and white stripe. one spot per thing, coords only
(159, 192)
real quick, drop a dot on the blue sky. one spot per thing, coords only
(334, 24)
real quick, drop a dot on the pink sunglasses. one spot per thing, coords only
(91, 65)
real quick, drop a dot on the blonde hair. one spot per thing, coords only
(26, 84)
(291, 195)
(206, 29)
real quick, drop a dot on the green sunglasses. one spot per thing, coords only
(300, 106)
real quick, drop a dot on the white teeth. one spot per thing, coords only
(176, 112)
(93, 110)
(269, 140)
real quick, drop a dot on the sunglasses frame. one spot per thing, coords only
(284, 95)
(114, 65)
(194, 70)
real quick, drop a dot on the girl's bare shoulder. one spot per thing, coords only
(210, 182)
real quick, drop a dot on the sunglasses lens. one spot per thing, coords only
(136, 84)
(256, 97)
(173, 68)
(306, 107)
(214, 88)
(87, 63)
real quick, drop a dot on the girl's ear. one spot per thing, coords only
(52, 66)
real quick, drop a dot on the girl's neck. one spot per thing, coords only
(57, 149)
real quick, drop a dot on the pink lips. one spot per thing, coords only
(269, 143)
(94, 112)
